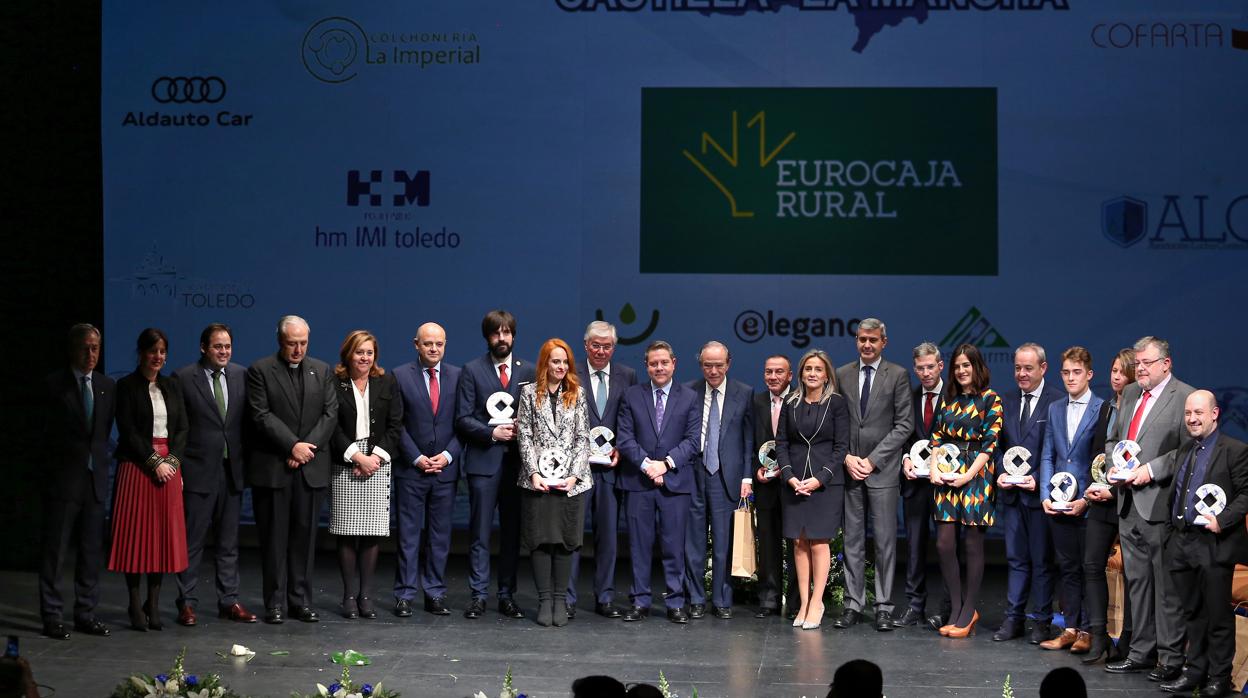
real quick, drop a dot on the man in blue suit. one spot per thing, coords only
(1068, 448)
(660, 424)
(722, 477)
(605, 383)
(1028, 545)
(492, 462)
(426, 474)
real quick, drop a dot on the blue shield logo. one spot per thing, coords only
(1124, 220)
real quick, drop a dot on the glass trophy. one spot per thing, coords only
(1065, 486)
(501, 407)
(601, 444)
(1099, 479)
(1017, 461)
(1125, 460)
(920, 455)
(947, 462)
(767, 459)
(1210, 501)
(554, 467)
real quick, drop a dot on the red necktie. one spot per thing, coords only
(1138, 417)
(928, 411)
(502, 375)
(433, 389)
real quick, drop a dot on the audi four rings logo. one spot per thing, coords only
(193, 90)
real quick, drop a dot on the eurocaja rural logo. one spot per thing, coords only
(841, 181)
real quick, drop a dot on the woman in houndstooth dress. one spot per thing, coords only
(370, 420)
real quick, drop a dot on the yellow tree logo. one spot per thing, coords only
(759, 120)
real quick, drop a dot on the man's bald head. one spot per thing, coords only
(1200, 414)
(430, 343)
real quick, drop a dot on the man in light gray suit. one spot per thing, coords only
(1152, 416)
(880, 421)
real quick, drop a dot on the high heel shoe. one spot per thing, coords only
(807, 625)
(1100, 648)
(366, 608)
(944, 629)
(801, 618)
(958, 632)
(138, 619)
(153, 618)
(350, 610)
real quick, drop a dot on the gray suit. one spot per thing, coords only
(879, 436)
(1155, 605)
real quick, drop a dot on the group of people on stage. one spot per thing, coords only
(389, 448)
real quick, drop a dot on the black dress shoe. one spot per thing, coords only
(1009, 630)
(475, 609)
(350, 609)
(848, 618)
(697, 610)
(437, 607)
(571, 608)
(508, 608)
(1167, 673)
(1101, 646)
(1040, 632)
(273, 616)
(721, 612)
(403, 608)
(90, 626)
(1185, 683)
(304, 613)
(636, 613)
(606, 610)
(883, 621)
(677, 615)
(1127, 666)
(907, 619)
(55, 630)
(1216, 688)
(764, 612)
(936, 622)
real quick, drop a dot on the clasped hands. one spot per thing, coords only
(365, 466)
(539, 483)
(858, 468)
(805, 487)
(654, 469)
(300, 454)
(432, 465)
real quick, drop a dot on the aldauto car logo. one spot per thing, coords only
(188, 90)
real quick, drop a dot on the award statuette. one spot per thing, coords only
(553, 466)
(1017, 462)
(1210, 501)
(1099, 481)
(1124, 458)
(947, 462)
(767, 459)
(1064, 488)
(919, 456)
(501, 408)
(600, 445)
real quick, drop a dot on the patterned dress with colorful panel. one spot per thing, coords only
(972, 423)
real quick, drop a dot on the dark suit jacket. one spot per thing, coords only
(424, 433)
(280, 422)
(909, 487)
(639, 437)
(619, 379)
(1103, 511)
(69, 441)
(1029, 436)
(209, 433)
(827, 449)
(1228, 469)
(766, 494)
(737, 454)
(477, 382)
(879, 434)
(385, 417)
(134, 418)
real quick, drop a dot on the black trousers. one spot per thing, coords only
(1069, 540)
(80, 523)
(217, 512)
(918, 514)
(1098, 539)
(286, 521)
(1205, 587)
(772, 557)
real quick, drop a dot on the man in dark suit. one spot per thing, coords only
(214, 391)
(294, 409)
(916, 491)
(1203, 550)
(605, 382)
(426, 473)
(880, 421)
(777, 375)
(1151, 415)
(1028, 542)
(78, 418)
(660, 422)
(492, 462)
(723, 476)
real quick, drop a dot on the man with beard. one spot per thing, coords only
(491, 462)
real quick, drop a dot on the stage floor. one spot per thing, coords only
(450, 656)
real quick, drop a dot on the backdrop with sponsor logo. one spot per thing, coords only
(762, 173)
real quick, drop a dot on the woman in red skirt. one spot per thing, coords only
(149, 528)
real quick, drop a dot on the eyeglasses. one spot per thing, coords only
(1147, 363)
(601, 347)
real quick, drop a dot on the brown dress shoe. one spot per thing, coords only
(1083, 643)
(1061, 642)
(186, 616)
(238, 614)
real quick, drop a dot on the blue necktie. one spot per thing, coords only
(658, 408)
(711, 448)
(866, 390)
(600, 400)
(88, 406)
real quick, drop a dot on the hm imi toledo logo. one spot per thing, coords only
(336, 49)
(1195, 221)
